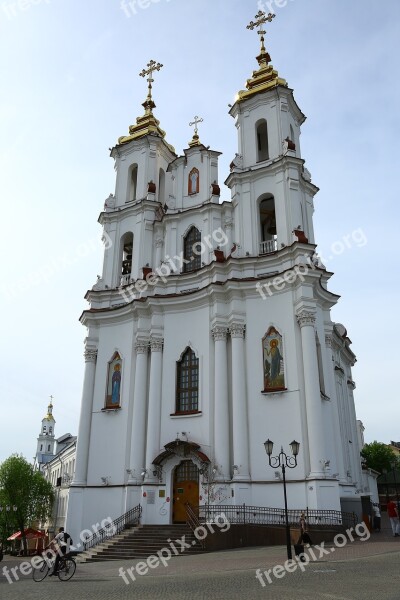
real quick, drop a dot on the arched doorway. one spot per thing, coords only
(185, 489)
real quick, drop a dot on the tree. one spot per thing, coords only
(379, 457)
(26, 491)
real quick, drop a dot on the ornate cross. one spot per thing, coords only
(196, 121)
(261, 18)
(51, 399)
(151, 67)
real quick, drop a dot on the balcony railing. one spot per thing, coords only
(268, 246)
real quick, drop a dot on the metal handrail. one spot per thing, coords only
(132, 517)
(261, 515)
(192, 520)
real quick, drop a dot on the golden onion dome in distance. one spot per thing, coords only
(266, 77)
(147, 124)
(49, 415)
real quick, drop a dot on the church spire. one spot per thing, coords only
(146, 124)
(195, 139)
(266, 77)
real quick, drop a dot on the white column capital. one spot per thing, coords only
(90, 355)
(142, 346)
(159, 243)
(237, 330)
(306, 318)
(156, 344)
(328, 341)
(219, 333)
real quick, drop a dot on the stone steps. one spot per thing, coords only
(143, 541)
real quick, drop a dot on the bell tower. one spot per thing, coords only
(46, 440)
(272, 192)
(143, 186)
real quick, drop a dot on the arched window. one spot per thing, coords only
(50, 430)
(262, 140)
(133, 183)
(268, 225)
(291, 133)
(161, 186)
(126, 266)
(194, 182)
(187, 382)
(192, 250)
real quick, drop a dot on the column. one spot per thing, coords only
(154, 414)
(239, 404)
(221, 405)
(137, 462)
(85, 420)
(335, 410)
(312, 391)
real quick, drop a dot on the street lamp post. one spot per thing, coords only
(284, 461)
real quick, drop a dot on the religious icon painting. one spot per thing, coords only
(194, 181)
(113, 398)
(273, 362)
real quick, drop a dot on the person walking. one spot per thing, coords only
(393, 518)
(377, 517)
(304, 537)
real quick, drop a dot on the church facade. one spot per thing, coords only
(210, 328)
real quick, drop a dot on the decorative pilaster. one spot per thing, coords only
(159, 247)
(137, 462)
(221, 403)
(340, 468)
(239, 403)
(306, 320)
(154, 414)
(85, 420)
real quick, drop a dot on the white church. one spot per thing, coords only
(210, 329)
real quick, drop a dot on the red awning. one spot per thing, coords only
(30, 534)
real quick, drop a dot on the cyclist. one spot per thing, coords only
(61, 544)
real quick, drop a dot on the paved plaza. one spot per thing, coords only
(366, 570)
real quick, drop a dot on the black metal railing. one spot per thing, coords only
(192, 519)
(132, 517)
(260, 515)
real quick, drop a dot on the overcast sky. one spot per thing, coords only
(70, 88)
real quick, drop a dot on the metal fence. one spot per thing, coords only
(259, 515)
(132, 517)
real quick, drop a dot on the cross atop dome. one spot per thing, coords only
(195, 140)
(147, 124)
(151, 67)
(261, 18)
(266, 77)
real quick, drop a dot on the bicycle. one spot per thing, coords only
(66, 568)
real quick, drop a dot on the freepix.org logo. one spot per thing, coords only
(174, 548)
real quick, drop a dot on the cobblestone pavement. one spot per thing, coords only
(359, 571)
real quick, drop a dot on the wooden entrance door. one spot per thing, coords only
(186, 489)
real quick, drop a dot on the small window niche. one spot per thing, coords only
(273, 361)
(268, 224)
(126, 262)
(161, 186)
(262, 140)
(194, 182)
(133, 179)
(114, 380)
